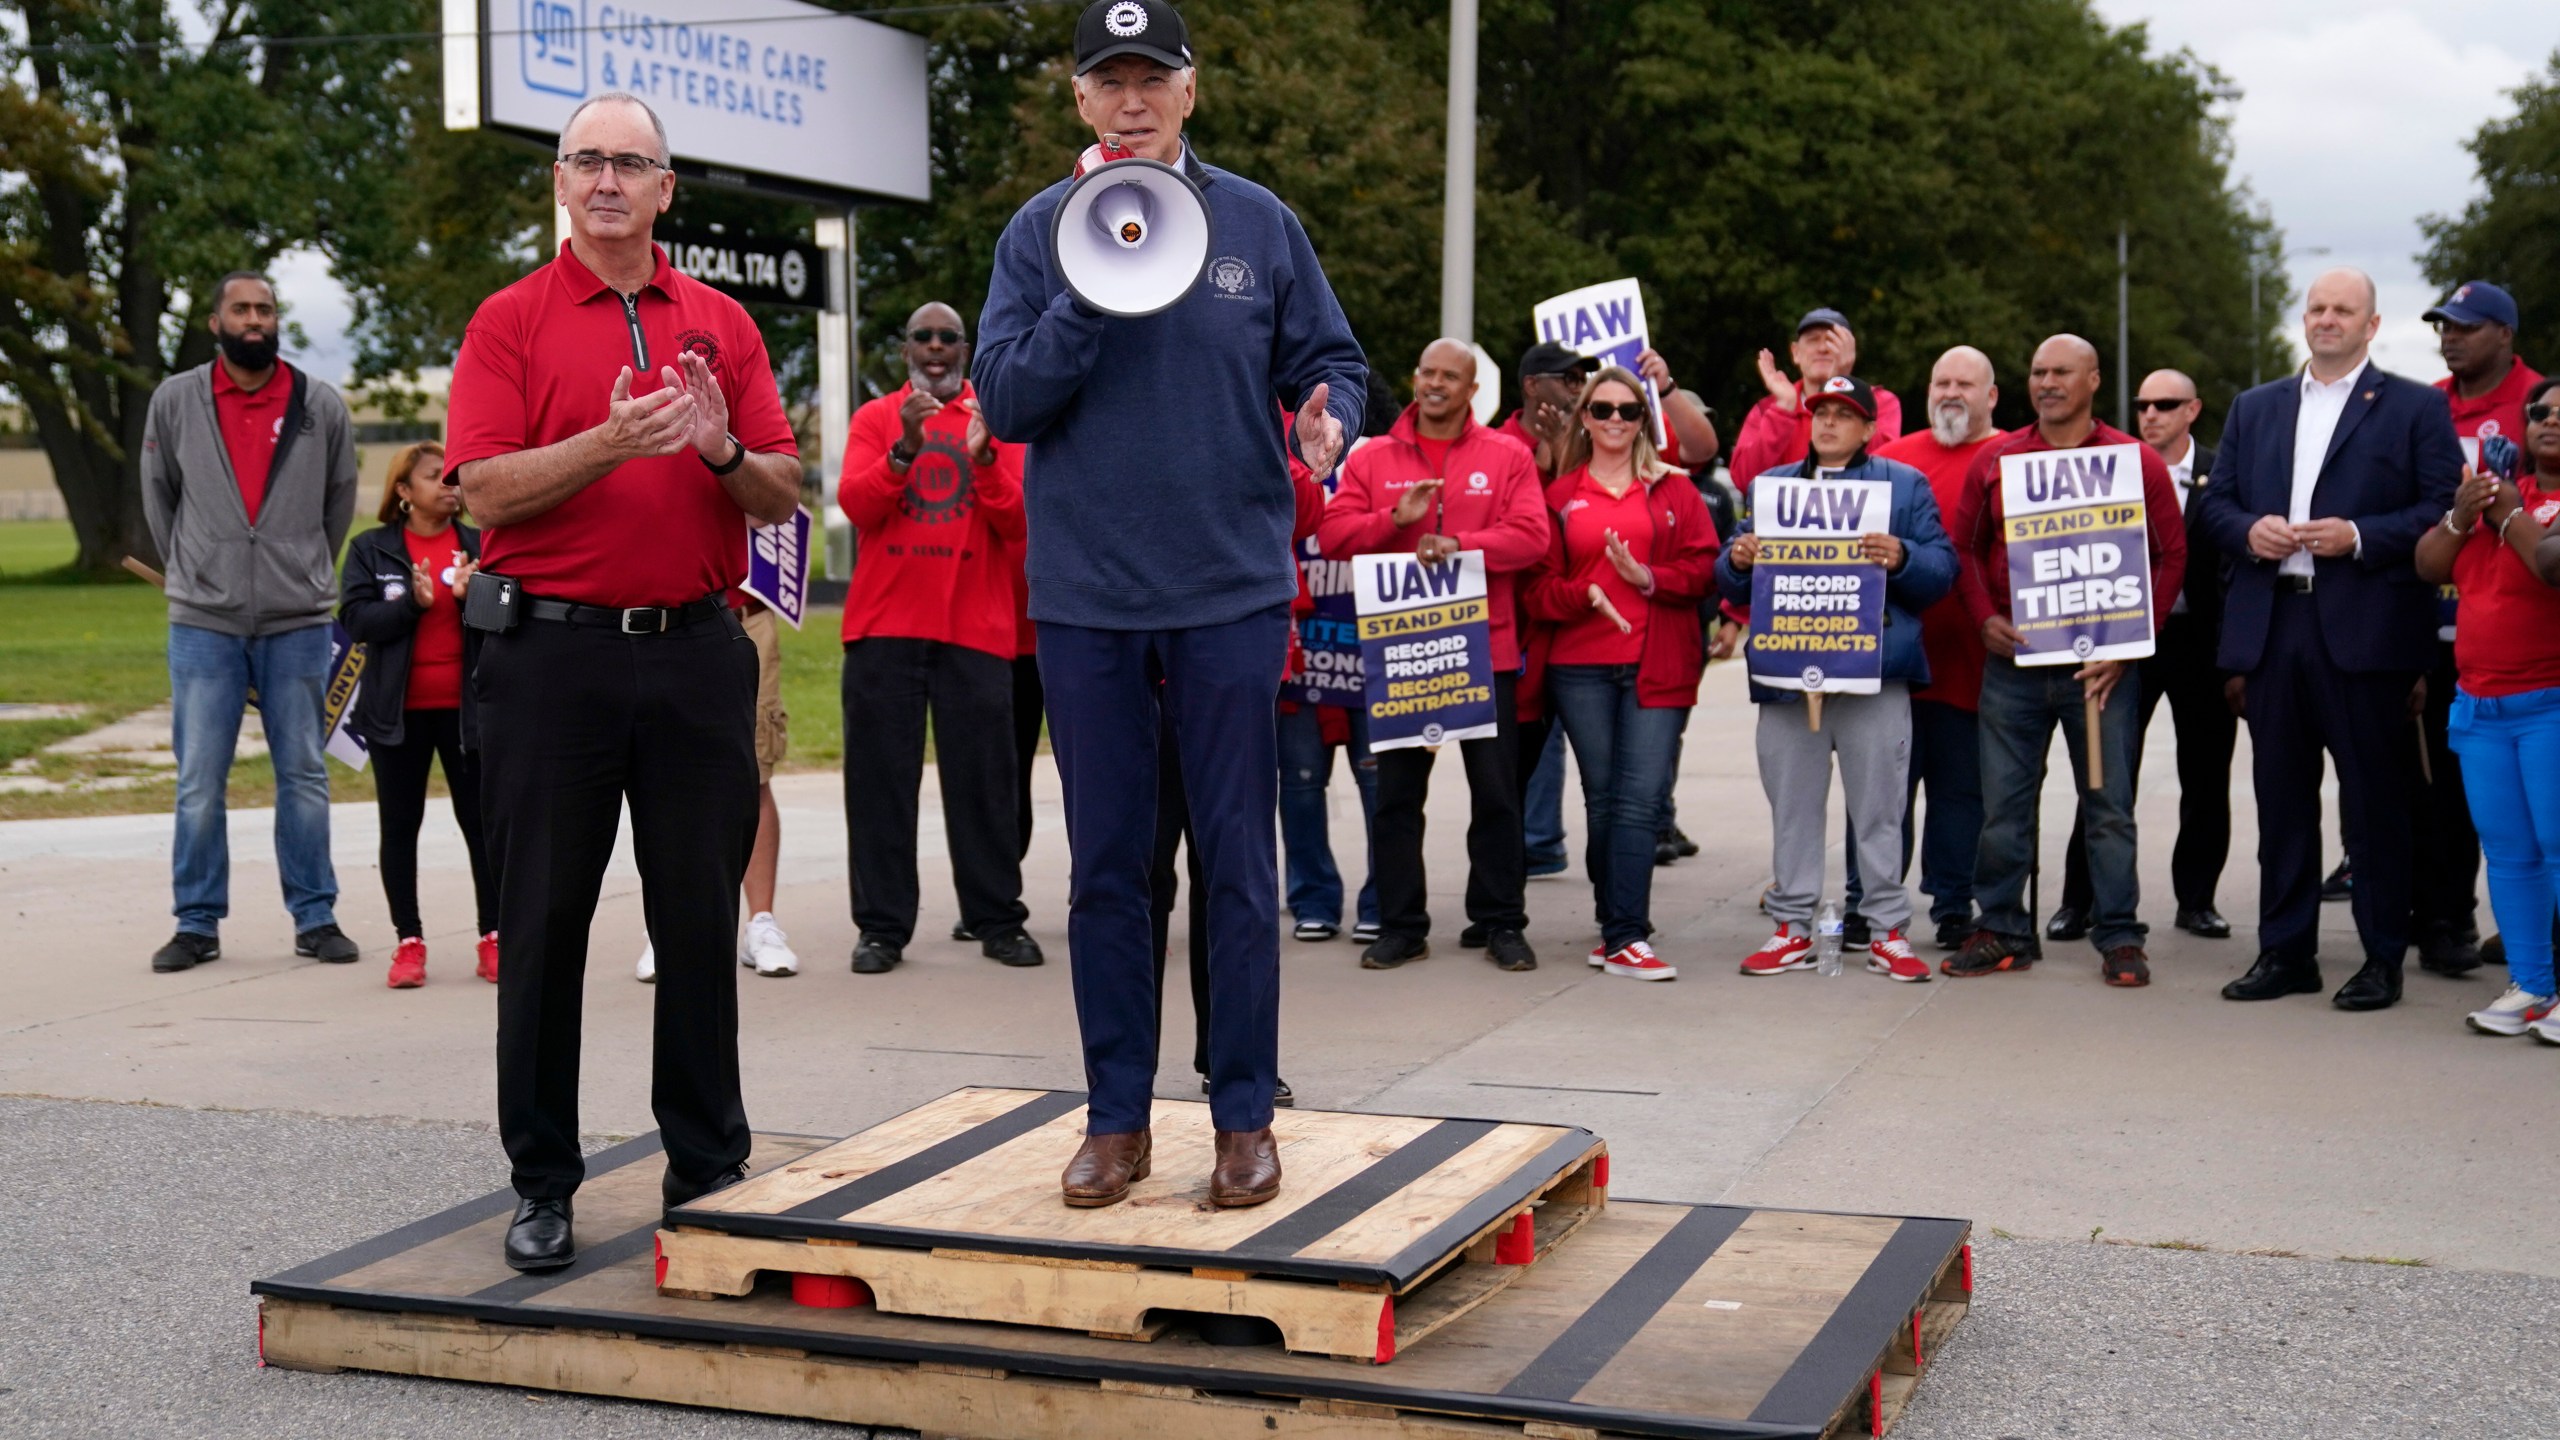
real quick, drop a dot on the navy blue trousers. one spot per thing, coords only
(1219, 683)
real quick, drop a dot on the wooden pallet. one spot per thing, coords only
(1655, 1320)
(1387, 1227)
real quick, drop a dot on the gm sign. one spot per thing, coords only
(553, 37)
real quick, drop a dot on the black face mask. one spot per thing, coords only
(248, 354)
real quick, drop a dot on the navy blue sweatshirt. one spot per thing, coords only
(1154, 475)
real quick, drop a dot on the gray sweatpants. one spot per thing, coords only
(1872, 736)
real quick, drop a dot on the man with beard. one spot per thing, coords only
(930, 625)
(249, 484)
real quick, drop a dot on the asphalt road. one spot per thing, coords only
(133, 1232)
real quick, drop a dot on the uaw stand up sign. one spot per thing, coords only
(2079, 561)
(1427, 648)
(1817, 601)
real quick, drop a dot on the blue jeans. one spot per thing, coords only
(2020, 707)
(1946, 755)
(2510, 749)
(1624, 751)
(1306, 768)
(210, 677)
(1543, 830)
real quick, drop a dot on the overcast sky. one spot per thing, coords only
(2349, 128)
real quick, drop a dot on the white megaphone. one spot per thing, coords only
(1131, 237)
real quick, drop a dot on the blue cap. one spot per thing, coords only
(2476, 302)
(1816, 319)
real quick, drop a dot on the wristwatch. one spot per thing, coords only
(737, 457)
(900, 457)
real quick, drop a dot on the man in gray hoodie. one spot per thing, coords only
(249, 482)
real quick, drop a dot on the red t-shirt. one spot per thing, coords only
(1978, 528)
(1948, 636)
(252, 421)
(435, 652)
(938, 541)
(1588, 516)
(2499, 412)
(2510, 637)
(537, 367)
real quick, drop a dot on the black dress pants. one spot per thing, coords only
(2182, 673)
(1030, 709)
(890, 686)
(575, 722)
(400, 791)
(1497, 861)
(2444, 900)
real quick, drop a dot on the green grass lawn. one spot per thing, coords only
(31, 547)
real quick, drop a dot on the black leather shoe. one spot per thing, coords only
(678, 1193)
(875, 956)
(1665, 853)
(962, 933)
(1681, 842)
(1472, 938)
(1015, 948)
(2450, 953)
(185, 951)
(2341, 884)
(1952, 933)
(327, 944)
(2207, 922)
(541, 1238)
(1393, 950)
(2375, 987)
(1509, 949)
(2069, 922)
(2273, 977)
(1282, 1097)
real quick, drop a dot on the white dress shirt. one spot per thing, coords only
(2323, 402)
(2182, 475)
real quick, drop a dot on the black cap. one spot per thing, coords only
(1847, 390)
(1131, 27)
(1549, 358)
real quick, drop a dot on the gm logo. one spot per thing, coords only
(553, 44)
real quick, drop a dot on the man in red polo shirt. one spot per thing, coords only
(615, 489)
(930, 624)
(1777, 431)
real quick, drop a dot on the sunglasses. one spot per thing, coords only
(2142, 404)
(1602, 410)
(2541, 414)
(929, 337)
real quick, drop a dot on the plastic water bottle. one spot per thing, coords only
(1826, 940)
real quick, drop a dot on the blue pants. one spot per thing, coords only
(210, 677)
(1306, 768)
(1624, 751)
(2510, 749)
(1543, 829)
(1219, 686)
(2021, 704)
(1946, 755)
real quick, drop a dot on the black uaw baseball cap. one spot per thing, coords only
(1846, 390)
(1131, 27)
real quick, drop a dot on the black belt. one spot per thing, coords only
(640, 620)
(2298, 584)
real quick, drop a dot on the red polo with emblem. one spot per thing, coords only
(2499, 412)
(939, 540)
(1489, 500)
(2510, 638)
(252, 422)
(537, 367)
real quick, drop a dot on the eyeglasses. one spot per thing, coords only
(2541, 414)
(587, 164)
(2142, 404)
(1603, 410)
(936, 337)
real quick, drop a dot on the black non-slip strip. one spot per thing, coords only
(461, 1217)
(517, 1289)
(1449, 1234)
(1361, 1193)
(1841, 1353)
(1588, 1345)
(932, 1160)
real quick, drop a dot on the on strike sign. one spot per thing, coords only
(1817, 601)
(2079, 556)
(1426, 643)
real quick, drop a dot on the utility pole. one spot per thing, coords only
(2124, 332)
(1458, 207)
(2257, 331)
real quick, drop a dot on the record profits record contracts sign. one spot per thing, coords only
(2079, 554)
(1426, 644)
(1817, 601)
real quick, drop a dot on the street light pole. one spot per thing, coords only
(2124, 332)
(1458, 207)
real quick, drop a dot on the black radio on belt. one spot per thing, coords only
(494, 603)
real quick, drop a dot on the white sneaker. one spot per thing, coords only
(1635, 960)
(2546, 1029)
(648, 971)
(2513, 1013)
(764, 949)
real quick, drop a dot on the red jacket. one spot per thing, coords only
(1683, 561)
(1773, 439)
(937, 543)
(1490, 503)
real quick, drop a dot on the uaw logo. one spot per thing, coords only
(795, 274)
(939, 485)
(1479, 482)
(1125, 19)
(552, 45)
(1232, 276)
(702, 343)
(2081, 645)
(1812, 678)
(1432, 732)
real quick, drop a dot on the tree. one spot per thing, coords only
(2511, 234)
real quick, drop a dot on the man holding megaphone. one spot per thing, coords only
(1142, 320)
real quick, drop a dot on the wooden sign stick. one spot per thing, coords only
(2089, 712)
(1813, 709)
(145, 571)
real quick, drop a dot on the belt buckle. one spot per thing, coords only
(645, 620)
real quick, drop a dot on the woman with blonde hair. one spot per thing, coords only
(400, 596)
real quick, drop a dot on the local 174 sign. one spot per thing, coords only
(1817, 601)
(749, 267)
(2079, 554)
(1426, 643)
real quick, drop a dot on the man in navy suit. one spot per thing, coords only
(2322, 487)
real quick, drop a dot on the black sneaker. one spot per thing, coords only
(1509, 949)
(1664, 853)
(1988, 953)
(1312, 931)
(1952, 932)
(1681, 842)
(2452, 953)
(2341, 884)
(875, 956)
(1015, 948)
(185, 951)
(1364, 932)
(1855, 932)
(1472, 938)
(961, 932)
(1391, 951)
(327, 944)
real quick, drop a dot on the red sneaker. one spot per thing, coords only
(409, 965)
(1635, 960)
(1599, 956)
(1780, 953)
(489, 957)
(1893, 958)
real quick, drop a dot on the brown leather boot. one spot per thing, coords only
(1248, 1170)
(1106, 1166)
